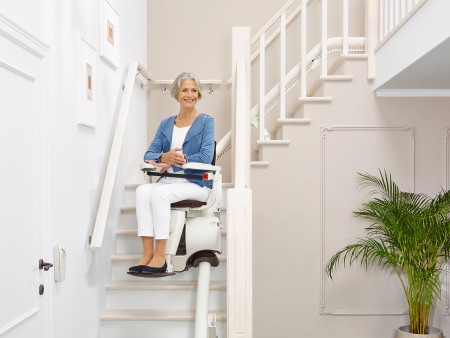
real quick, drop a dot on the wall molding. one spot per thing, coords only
(325, 132)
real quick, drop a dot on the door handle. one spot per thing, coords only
(44, 265)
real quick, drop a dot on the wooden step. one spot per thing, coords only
(155, 315)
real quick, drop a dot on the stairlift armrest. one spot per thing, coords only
(146, 167)
(201, 167)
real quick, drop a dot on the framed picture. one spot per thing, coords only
(109, 33)
(87, 84)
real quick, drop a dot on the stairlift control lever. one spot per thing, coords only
(60, 263)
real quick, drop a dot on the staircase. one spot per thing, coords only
(156, 307)
(165, 307)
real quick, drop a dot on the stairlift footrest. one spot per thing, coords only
(151, 275)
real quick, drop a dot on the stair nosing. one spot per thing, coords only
(337, 78)
(259, 163)
(292, 120)
(273, 142)
(315, 99)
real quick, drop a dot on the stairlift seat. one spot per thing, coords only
(188, 204)
(195, 234)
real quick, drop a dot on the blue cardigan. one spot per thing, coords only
(198, 145)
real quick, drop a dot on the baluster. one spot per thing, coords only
(403, 11)
(303, 50)
(391, 16)
(262, 86)
(283, 65)
(397, 16)
(324, 37)
(345, 27)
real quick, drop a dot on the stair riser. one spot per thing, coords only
(119, 272)
(156, 329)
(128, 220)
(161, 300)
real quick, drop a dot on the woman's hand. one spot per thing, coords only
(163, 166)
(173, 157)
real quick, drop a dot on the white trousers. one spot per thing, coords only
(153, 205)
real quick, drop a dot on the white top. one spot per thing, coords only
(178, 136)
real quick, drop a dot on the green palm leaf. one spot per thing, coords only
(409, 232)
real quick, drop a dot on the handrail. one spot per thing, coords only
(309, 60)
(271, 21)
(292, 77)
(96, 238)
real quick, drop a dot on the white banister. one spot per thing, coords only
(324, 37)
(345, 23)
(108, 184)
(394, 13)
(303, 51)
(239, 198)
(283, 65)
(276, 32)
(262, 85)
(372, 29)
(298, 73)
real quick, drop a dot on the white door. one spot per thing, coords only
(23, 185)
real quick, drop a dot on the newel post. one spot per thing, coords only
(239, 198)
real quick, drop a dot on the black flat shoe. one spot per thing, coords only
(137, 268)
(150, 269)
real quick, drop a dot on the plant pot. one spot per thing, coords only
(403, 332)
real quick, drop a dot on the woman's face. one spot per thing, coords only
(188, 95)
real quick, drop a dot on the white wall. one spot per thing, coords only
(78, 154)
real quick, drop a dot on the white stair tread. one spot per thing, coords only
(259, 163)
(162, 284)
(133, 258)
(293, 120)
(355, 56)
(315, 99)
(273, 142)
(154, 315)
(337, 78)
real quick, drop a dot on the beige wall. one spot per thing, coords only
(304, 199)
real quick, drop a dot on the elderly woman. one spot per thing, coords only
(185, 137)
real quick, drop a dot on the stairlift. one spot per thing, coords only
(194, 239)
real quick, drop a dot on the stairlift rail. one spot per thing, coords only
(96, 238)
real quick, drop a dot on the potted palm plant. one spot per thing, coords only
(409, 232)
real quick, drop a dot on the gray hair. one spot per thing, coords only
(175, 90)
